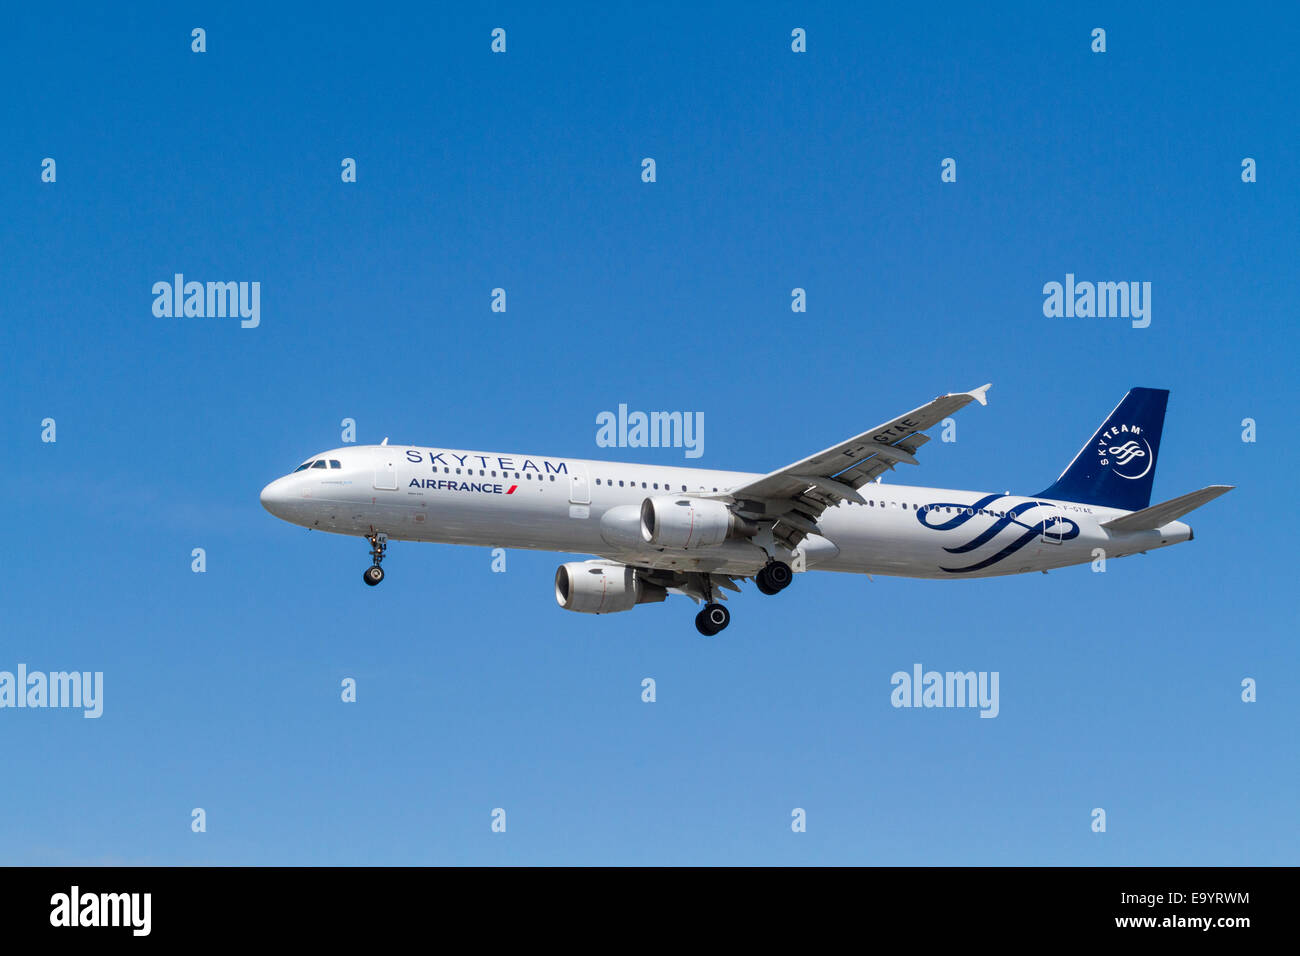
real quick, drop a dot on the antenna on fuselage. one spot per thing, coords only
(385, 441)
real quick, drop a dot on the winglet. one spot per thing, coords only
(979, 393)
(385, 441)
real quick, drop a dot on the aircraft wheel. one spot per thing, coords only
(373, 575)
(774, 577)
(779, 575)
(711, 620)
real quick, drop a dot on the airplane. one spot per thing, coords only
(658, 529)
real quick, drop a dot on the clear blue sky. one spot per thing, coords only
(775, 170)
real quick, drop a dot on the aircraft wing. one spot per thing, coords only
(797, 494)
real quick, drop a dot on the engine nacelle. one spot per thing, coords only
(670, 521)
(602, 588)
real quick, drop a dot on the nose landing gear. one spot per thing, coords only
(378, 545)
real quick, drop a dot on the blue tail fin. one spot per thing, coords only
(1118, 465)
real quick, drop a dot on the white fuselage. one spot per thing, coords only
(579, 506)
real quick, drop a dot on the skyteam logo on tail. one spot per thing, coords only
(1125, 451)
(1116, 467)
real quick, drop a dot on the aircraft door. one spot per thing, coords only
(579, 492)
(385, 475)
(1054, 527)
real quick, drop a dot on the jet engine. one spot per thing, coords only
(595, 588)
(668, 521)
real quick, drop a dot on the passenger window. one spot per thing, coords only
(319, 464)
(620, 484)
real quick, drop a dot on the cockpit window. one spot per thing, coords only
(319, 464)
(334, 463)
(305, 464)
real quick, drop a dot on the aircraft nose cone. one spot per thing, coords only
(273, 497)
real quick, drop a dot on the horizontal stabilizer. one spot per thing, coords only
(1157, 516)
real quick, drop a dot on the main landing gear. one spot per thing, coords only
(378, 545)
(775, 576)
(715, 617)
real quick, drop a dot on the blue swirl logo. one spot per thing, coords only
(1024, 531)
